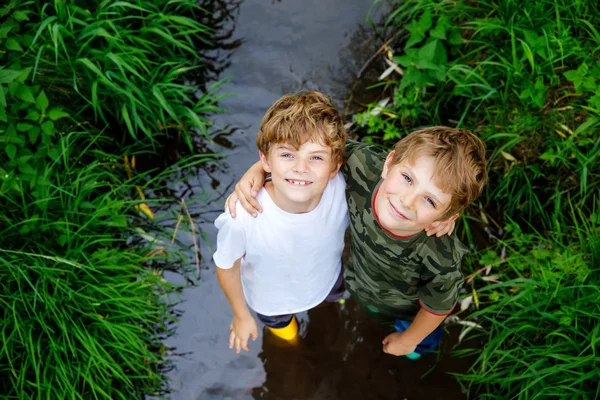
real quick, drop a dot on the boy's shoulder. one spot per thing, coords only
(440, 252)
(363, 163)
(364, 152)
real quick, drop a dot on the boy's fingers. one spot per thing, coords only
(238, 345)
(247, 206)
(255, 188)
(231, 338)
(230, 204)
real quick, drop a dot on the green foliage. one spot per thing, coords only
(127, 61)
(83, 300)
(542, 322)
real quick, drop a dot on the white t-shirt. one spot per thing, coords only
(290, 262)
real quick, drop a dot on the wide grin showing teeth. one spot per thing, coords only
(298, 183)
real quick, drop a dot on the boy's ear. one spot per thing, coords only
(452, 218)
(388, 165)
(335, 171)
(264, 161)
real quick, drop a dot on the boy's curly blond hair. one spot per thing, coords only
(299, 118)
(460, 165)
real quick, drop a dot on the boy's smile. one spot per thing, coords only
(299, 177)
(408, 200)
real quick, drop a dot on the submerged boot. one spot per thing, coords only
(288, 332)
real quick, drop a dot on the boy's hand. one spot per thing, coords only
(440, 228)
(395, 344)
(246, 191)
(240, 330)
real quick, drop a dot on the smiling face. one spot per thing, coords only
(299, 177)
(408, 199)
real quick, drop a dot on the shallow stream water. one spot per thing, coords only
(287, 45)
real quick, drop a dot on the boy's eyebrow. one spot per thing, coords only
(284, 146)
(435, 199)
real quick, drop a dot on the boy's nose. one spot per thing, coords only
(301, 166)
(408, 200)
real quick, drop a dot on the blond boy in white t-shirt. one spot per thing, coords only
(288, 259)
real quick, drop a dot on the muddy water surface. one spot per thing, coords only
(287, 45)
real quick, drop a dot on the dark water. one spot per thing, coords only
(287, 45)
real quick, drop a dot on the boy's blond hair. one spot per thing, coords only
(300, 118)
(460, 167)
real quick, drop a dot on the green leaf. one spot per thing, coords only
(33, 116)
(24, 93)
(127, 120)
(48, 128)
(11, 151)
(426, 21)
(439, 32)
(9, 75)
(433, 52)
(4, 30)
(56, 113)
(33, 135)
(2, 97)
(42, 102)
(20, 16)
(12, 44)
(25, 168)
(414, 39)
(54, 153)
(24, 127)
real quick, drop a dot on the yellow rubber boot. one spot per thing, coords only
(288, 332)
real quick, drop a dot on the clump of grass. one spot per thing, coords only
(84, 304)
(127, 61)
(81, 314)
(542, 321)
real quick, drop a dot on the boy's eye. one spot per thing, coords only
(430, 201)
(317, 158)
(407, 178)
(286, 155)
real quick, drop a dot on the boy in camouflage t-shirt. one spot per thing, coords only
(394, 268)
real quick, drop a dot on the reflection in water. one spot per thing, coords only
(286, 46)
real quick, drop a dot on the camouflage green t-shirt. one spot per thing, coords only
(395, 276)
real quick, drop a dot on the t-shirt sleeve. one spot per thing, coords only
(440, 292)
(231, 239)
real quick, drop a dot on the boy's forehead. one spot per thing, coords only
(308, 145)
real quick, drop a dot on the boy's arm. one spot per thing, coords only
(243, 325)
(402, 343)
(246, 190)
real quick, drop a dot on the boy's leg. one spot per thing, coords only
(337, 292)
(429, 343)
(283, 326)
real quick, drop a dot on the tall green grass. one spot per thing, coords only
(84, 304)
(127, 61)
(542, 331)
